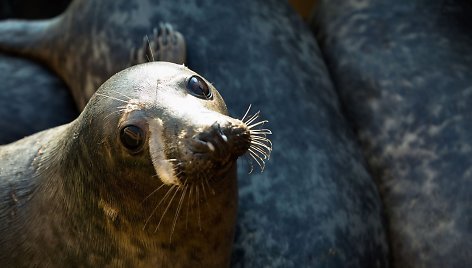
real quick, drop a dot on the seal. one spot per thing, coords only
(34, 39)
(318, 206)
(145, 176)
(412, 116)
(30, 94)
(30, 98)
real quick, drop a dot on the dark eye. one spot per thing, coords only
(132, 137)
(197, 87)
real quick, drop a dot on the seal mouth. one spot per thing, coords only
(206, 171)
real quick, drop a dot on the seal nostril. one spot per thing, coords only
(212, 143)
(210, 146)
(217, 127)
(224, 137)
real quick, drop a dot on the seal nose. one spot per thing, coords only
(222, 142)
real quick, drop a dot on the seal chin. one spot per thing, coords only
(200, 170)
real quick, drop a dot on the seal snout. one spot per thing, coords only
(221, 142)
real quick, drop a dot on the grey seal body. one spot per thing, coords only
(403, 72)
(317, 206)
(135, 180)
(31, 99)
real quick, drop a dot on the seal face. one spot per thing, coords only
(191, 139)
(154, 146)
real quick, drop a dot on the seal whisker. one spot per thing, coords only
(267, 146)
(247, 111)
(258, 123)
(205, 197)
(112, 113)
(261, 153)
(176, 167)
(204, 194)
(110, 97)
(255, 155)
(188, 205)
(153, 192)
(176, 190)
(119, 93)
(267, 149)
(138, 54)
(264, 150)
(209, 186)
(198, 207)
(257, 158)
(260, 131)
(179, 207)
(260, 146)
(261, 139)
(157, 206)
(248, 160)
(149, 49)
(259, 162)
(253, 118)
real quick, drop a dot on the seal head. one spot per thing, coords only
(174, 117)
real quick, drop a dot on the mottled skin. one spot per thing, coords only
(69, 34)
(316, 206)
(75, 196)
(403, 71)
(31, 99)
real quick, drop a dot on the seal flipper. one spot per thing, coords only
(28, 38)
(55, 43)
(165, 44)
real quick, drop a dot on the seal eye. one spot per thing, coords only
(197, 87)
(132, 137)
